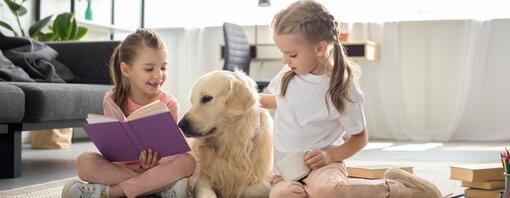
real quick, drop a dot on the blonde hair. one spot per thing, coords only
(126, 52)
(314, 23)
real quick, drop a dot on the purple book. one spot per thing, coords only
(123, 141)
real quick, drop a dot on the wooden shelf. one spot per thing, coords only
(361, 50)
(260, 52)
(356, 50)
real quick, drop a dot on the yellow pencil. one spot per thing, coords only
(503, 162)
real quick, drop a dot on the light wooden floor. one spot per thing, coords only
(430, 160)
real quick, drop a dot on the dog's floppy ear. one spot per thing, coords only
(242, 95)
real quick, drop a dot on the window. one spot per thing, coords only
(199, 13)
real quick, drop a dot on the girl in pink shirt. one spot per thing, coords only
(138, 69)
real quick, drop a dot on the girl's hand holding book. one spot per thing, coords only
(148, 159)
(317, 158)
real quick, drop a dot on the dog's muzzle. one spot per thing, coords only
(190, 131)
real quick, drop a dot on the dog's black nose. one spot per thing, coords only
(184, 124)
(187, 128)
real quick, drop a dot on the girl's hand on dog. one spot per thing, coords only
(148, 159)
(317, 158)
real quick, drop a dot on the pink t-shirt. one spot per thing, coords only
(170, 101)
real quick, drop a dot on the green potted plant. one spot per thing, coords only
(64, 26)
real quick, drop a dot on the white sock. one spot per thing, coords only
(107, 191)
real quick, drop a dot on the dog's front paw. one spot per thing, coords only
(204, 194)
(202, 190)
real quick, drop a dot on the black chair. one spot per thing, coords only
(237, 51)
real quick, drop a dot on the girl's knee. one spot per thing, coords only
(85, 163)
(184, 161)
(276, 194)
(329, 188)
(86, 158)
(281, 193)
(287, 189)
(187, 162)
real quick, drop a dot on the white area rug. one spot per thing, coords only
(51, 189)
(438, 173)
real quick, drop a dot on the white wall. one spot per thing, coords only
(196, 51)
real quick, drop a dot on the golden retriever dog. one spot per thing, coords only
(233, 137)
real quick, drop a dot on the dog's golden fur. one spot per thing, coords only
(232, 133)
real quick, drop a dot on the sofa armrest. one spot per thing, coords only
(86, 59)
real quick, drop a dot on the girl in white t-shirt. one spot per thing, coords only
(318, 102)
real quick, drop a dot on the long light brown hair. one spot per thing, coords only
(314, 23)
(126, 52)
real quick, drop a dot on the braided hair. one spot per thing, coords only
(313, 21)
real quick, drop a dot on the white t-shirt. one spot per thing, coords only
(302, 120)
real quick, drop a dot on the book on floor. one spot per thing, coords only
(477, 172)
(486, 185)
(123, 138)
(373, 171)
(478, 193)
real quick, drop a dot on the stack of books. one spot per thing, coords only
(505, 160)
(482, 180)
(373, 171)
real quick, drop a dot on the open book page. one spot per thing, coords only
(96, 118)
(117, 114)
(114, 109)
(149, 109)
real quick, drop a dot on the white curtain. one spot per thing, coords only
(442, 80)
(192, 52)
(438, 80)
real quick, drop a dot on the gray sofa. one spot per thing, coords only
(36, 106)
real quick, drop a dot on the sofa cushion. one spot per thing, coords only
(11, 72)
(88, 60)
(35, 59)
(60, 101)
(12, 103)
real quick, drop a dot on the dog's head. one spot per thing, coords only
(216, 97)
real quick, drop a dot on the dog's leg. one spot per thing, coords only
(257, 190)
(203, 189)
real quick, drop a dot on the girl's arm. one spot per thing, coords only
(268, 101)
(318, 158)
(350, 147)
